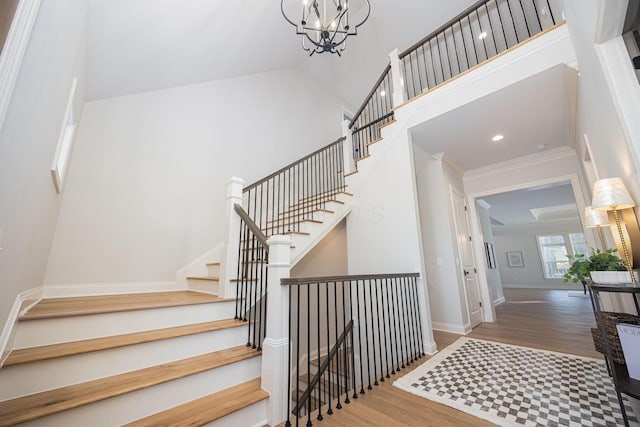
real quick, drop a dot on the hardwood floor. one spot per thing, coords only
(549, 320)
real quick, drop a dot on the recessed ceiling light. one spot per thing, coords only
(497, 138)
(383, 93)
(482, 35)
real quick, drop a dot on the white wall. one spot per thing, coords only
(147, 193)
(598, 117)
(523, 238)
(327, 258)
(446, 291)
(29, 203)
(493, 274)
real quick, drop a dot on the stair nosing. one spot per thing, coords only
(38, 405)
(73, 348)
(143, 306)
(228, 395)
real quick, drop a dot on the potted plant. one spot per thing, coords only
(601, 267)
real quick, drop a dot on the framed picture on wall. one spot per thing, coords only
(515, 260)
(491, 256)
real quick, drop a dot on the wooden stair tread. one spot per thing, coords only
(78, 306)
(326, 193)
(301, 211)
(209, 408)
(363, 157)
(45, 403)
(351, 173)
(209, 278)
(373, 142)
(283, 224)
(213, 263)
(312, 202)
(34, 354)
(389, 123)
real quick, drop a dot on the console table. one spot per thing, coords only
(622, 382)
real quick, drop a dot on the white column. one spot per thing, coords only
(396, 78)
(275, 348)
(347, 147)
(229, 261)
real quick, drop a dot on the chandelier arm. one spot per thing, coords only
(368, 13)
(285, 16)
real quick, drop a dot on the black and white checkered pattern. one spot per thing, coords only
(523, 386)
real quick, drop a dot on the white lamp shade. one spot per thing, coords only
(593, 218)
(611, 193)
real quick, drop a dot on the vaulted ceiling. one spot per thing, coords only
(143, 45)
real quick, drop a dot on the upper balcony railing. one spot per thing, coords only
(478, 34)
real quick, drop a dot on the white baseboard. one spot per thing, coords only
(499, 301)
(94, 289)
(452, 328)
(23, 302)
(430, 348)
(547, 286)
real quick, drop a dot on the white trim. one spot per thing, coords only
(499, 301)
(32, 296)
(93, 289)
(515, 164)
(484, 204)
(452, 328)
(14, 49)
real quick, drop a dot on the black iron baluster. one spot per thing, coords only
(415, 283)
(535, 10)
(308, 286)
(353, 361)
(297, 414)
(335, 305)
(416, 315)
(491, 30)
(373, 336)
(385, 320)
(526, 21)
(513, 22)
(502, 25)
(366, 333)
(409, 313)
(403, 309)
(553, 19)
(360, 337)
(319, 331)
(395, 324)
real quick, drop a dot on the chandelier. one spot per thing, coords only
(325, 24)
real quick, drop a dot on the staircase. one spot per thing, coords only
(192, 357)
(140, 358)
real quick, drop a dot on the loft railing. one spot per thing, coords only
(251, 286)
(282, 201)
(348, 334)
(375, 111)
(479, 33)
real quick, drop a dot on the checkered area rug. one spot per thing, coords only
(518, 386)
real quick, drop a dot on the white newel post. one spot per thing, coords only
(275, 372)
(229, 262)
(347, 148)
(396, 78)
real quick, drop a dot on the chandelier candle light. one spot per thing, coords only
(325, 24)
(610, 194)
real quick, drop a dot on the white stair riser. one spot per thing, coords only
(206, 286)
(213, 270)
(34, 333)
(50, 374)
(142, 403)
(252, 416)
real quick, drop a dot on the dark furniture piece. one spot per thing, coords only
(609, 339)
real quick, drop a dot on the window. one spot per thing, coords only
(65, 143)
(554, 249)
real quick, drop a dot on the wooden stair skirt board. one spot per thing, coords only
(78, 306)
(209, 408)
(46, 352)
(50, 402)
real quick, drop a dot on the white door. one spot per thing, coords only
(465, 255)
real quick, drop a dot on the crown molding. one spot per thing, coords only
(525, 161)
(14, 49)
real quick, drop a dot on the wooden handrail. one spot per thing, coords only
(323, 367)
(252, 226)
(442, 28)
(290, 165)
(373, 90)
(295, 281)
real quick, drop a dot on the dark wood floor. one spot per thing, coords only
(549, 320)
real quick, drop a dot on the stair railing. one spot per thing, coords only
(252, 276)
(479, 33)
(280, 202)
(375, 111)
(348, 334)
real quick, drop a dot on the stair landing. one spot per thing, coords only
(78, 306)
